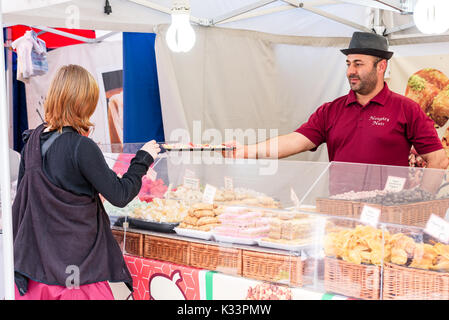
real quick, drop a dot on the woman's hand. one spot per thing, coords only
(152, 148)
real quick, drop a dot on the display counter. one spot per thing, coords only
(164, 273)
(352, 230)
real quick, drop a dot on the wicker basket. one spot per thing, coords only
(352, 280)
(166, 249)
(338, 208)
(403, 283)
(341, 208)
(273, 267)
(212, 257)
(134, 242)
(413, 214)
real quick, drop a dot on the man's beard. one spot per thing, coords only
(365, 85)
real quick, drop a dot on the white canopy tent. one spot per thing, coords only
(320, 23)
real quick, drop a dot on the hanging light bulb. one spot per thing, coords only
(432, 16)
(180, 35)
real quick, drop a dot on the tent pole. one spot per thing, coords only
(9, 85)
(107, 35)
(242, 10)
(66, 34)
(255, 14)
(325, 14)
(8, 251)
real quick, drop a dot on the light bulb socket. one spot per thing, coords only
(180, 6)
(107, 8)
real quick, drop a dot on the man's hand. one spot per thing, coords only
(432, 179)
(239, 151)
(436, 160)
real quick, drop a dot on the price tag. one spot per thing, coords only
(437, 228)
(189, 174)
(209, 194)
(151, 174)
(229, 183)
(394, 184)
(294, 198)
(370, 215)
(192, 183)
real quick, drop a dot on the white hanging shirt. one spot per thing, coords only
(31, 56)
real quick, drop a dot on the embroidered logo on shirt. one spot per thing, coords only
(379, 121)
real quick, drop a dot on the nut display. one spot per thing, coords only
(366, 244)
(237, 196)
(401, 197)
(387, 198)
(295, 231)
(242, 223)
(161, 210)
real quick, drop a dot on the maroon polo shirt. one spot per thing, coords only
(381, 132)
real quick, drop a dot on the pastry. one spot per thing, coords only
(439, 110)
(434, 76)
(207, 220)
(428, 87)
(201, 216)
(421, 91)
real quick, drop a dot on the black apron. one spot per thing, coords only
(58, 234)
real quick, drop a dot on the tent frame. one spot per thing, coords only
(247, 11)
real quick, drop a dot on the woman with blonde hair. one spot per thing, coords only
(63, 245)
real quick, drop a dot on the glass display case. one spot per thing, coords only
(356, 230)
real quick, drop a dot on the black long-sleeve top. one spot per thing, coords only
(76, 164)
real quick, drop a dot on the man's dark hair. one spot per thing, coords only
(377, 61)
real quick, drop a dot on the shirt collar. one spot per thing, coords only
(380, 98)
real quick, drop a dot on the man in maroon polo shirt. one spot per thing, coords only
(371, 124)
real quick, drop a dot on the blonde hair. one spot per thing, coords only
(71, 99)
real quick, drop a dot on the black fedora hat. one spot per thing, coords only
(370, 44)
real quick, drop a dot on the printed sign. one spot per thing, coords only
(209, 194)
(438, 228)
(395, 184)
(229, 183)
(370, 215)
(192, 183)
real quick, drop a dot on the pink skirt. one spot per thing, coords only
(41, 291)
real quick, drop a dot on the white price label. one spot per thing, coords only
(437, 228)
(151, 174)
(395, 184)
(294, 198)
(229, 183)
(209, 194)
(370, 215)
(192, 183)
(189, 173)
